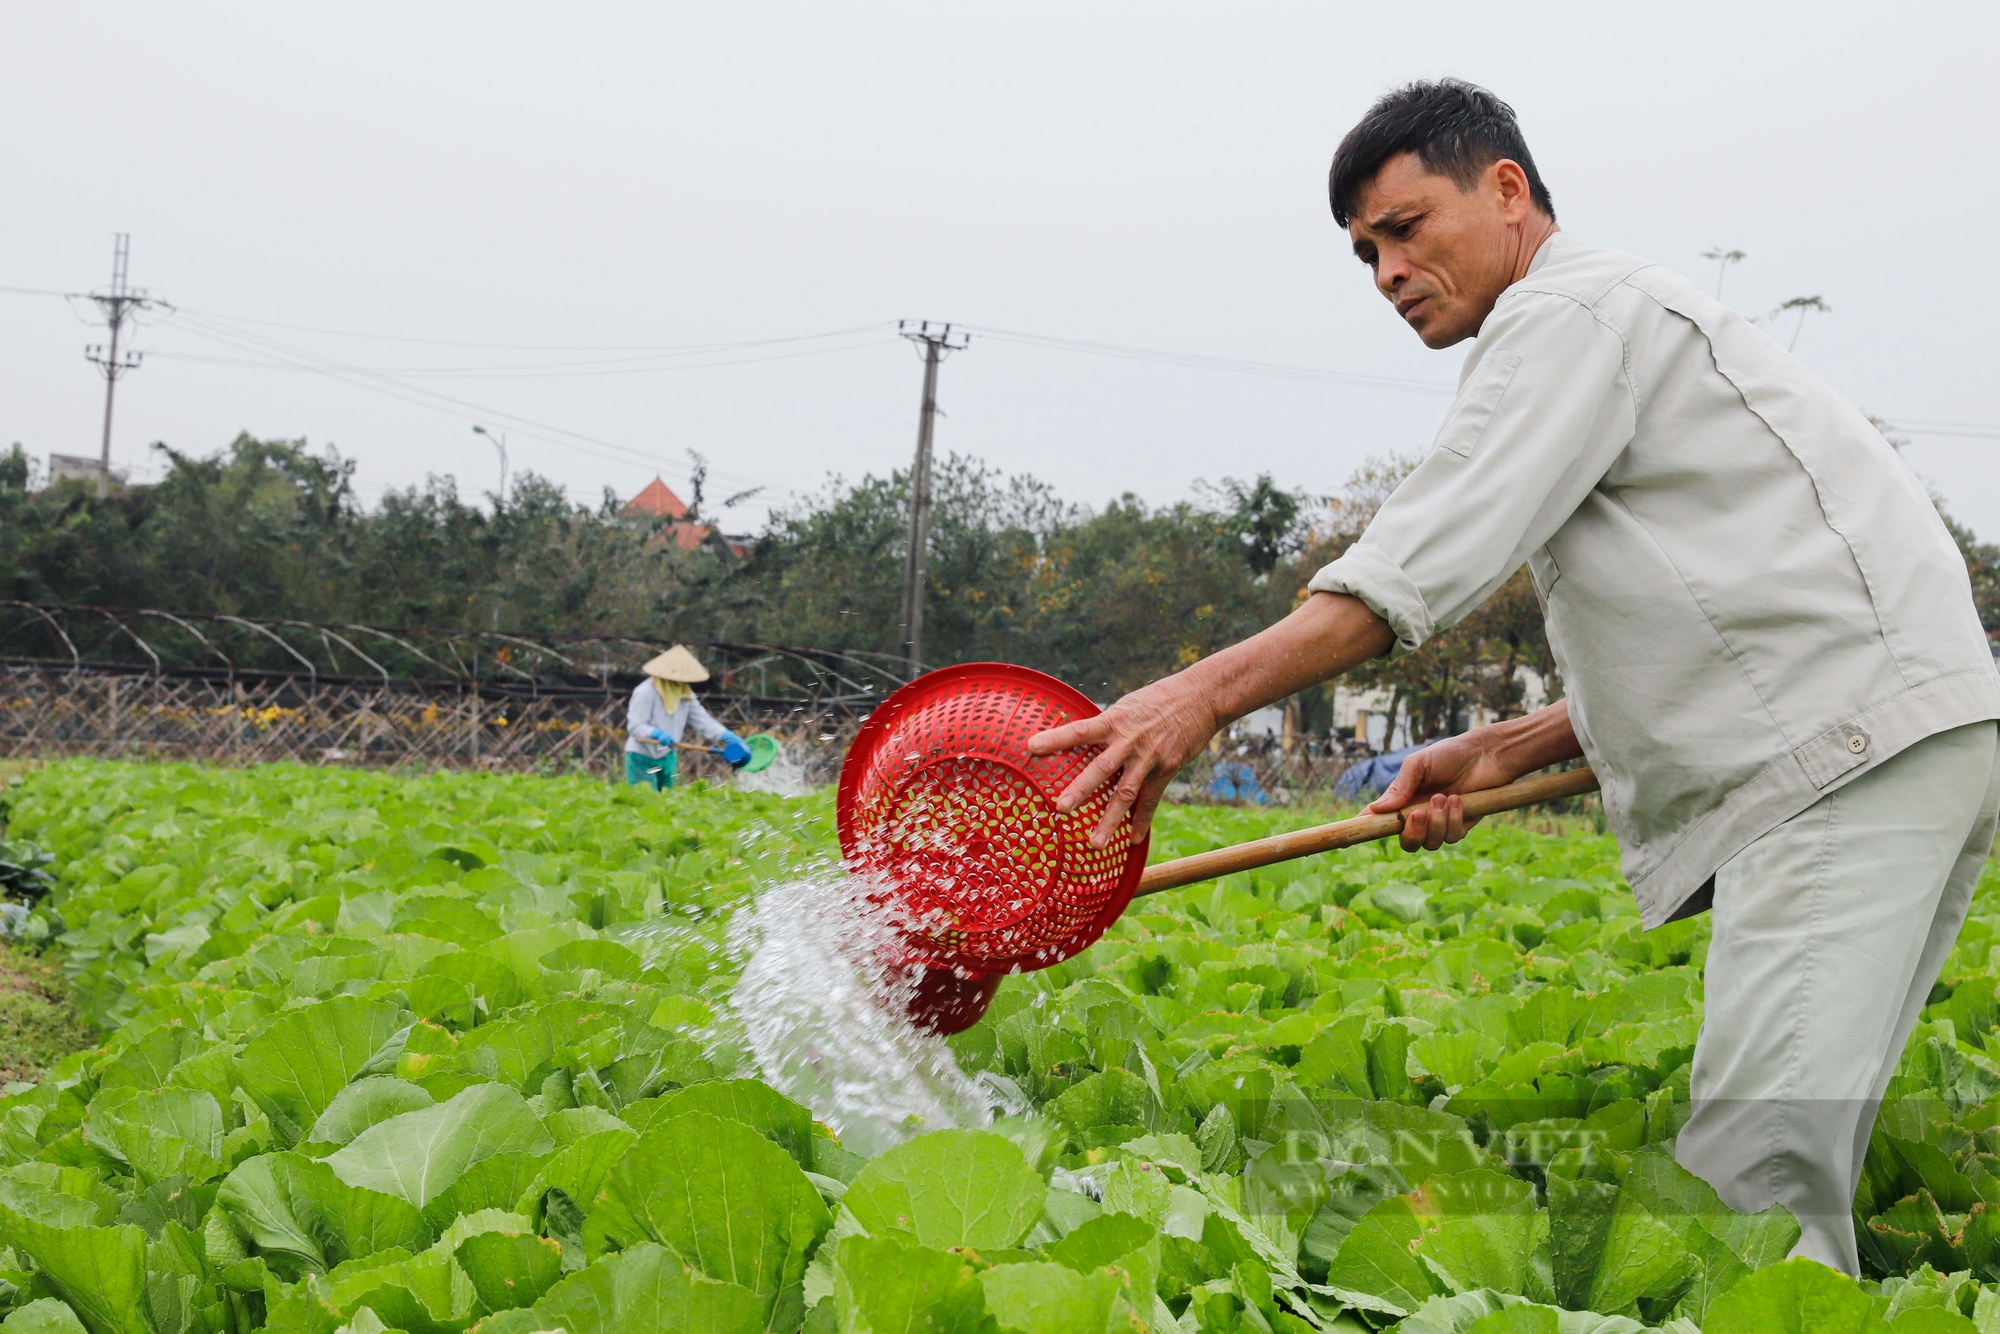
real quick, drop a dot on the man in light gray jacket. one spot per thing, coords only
(1766, 637)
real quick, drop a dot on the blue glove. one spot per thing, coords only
(659, 736)
(734, 753)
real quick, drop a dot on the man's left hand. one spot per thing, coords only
(1428, 786)
(735, 754)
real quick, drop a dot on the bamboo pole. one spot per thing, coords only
(1346, 833)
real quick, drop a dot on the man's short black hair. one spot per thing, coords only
(1455, 128)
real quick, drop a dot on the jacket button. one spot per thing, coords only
(1857, 743)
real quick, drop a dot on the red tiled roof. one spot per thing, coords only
(657, 499)
(688, 536)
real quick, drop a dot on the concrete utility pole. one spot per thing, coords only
(936, 343)
(500, 443)
(119, 303)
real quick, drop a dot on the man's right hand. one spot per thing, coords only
(1147, 736)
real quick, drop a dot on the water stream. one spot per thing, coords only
(823, 1017)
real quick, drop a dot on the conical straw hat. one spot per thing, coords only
(677, 664)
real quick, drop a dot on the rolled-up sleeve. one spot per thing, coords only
(1543, 410)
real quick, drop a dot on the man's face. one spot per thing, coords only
(1442, 255)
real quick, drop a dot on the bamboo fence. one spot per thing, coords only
(50, 710)
(231, 690)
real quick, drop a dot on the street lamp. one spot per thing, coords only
(499, 443)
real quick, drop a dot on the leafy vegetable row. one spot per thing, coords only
(447, 1052)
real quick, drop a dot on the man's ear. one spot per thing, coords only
(1511, 183)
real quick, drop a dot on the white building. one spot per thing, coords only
(1366, 712)
(81, 467)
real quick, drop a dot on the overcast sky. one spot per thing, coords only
(564, 199)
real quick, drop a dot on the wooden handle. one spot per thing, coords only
(1347, 833)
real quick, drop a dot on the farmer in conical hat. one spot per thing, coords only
(663, 706)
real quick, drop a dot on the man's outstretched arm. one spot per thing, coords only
(1154, 731)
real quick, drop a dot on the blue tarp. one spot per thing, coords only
(1370, 778)
(1234, 780)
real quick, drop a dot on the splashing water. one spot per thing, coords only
(784, 776)
(823, 1016)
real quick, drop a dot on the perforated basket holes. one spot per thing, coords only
(941, 804)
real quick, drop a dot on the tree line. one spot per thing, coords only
(1105, 597)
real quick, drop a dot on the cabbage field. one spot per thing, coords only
(457, 1052)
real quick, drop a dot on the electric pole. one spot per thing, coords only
(499, 443)
(119, 303)
(936, 343)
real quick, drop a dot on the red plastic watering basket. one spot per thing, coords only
(942, 806)
(947, 816)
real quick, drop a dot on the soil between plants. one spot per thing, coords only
(39, 1024)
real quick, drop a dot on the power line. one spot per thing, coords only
(417, 395)
(668, 349)
(216, 327)
(639, 359)
(642, 352)
(1161, 356)
(542, 371)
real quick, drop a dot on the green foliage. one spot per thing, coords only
(24, 871)
(644, 1290)
(1795, 1296)
(1109, 598)
(436, 1053)
(44, 1315)
(951, 1188)
(271, 528)
(1982, 563)
(885, 1283)
(716, 1192)
(417, 1156)
(303, 1059)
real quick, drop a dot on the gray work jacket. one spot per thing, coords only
(648, 710)
(1749, 596)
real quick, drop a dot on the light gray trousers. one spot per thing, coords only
(1828, 934)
